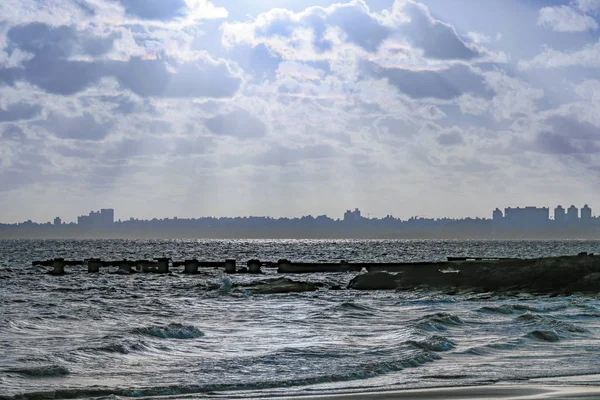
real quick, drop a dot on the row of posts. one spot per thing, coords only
(161, 266)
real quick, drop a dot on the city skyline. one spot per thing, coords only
(205, 107)
(106, 216)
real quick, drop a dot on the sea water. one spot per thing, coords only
(97, 335)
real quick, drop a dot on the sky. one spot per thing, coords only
(190, 108)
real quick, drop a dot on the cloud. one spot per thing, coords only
(19, 111)
(443, 83)
(588, 56)
(317, 31)
(81, 127)
(240, 124)
(166, 10)
(588, 6)
(437, 39)
(566, 19)
(12, 132)
(168, 78)
(53, 68)
(154, 9)
(567, 135)
(450, 139)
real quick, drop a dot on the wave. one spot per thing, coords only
(548, 323)
(351, 305)
(171, 331)
(434, 343)
(42, 371)
(511, 308)
(439, 321)
(361, 372)
(547, 336)
(120, 348)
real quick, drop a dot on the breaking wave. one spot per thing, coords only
(42, 371)
(439, 321)
(171, 331)
(434, 343)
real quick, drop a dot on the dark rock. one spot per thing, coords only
(375, 281)
(242, 270)
(282, 285)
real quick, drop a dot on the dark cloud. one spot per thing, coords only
(360, 28)
(52, 69)
(154, 9)
(258, 61)
(153, 78)
(450, 139)
(58, 42)
(83, 127)
(436, 39)
(239, 123)
(548, 142)
(12, 132)
(19, 111)
(567, 135)
(443, 84)
(571, 127)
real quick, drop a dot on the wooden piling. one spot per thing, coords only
(163, 265)
(58, 265)
(254, 267)
(93, 265)
(230, 266)
(191, 267)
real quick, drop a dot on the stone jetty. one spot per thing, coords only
(543, 275)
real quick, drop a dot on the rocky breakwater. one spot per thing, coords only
(566, 274)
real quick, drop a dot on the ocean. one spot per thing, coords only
(147, 335)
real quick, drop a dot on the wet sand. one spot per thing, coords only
(505, 392)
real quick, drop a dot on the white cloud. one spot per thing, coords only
(588, 6)
(588, 56)
(566, 19)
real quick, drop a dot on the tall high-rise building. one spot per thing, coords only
(352, 216)
(107, 216)
(572, 214)
(497, 215)
(57, 221)
(560, 214)
(103, 218)
(586, 214)
(527, 217)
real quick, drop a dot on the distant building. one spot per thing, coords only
(586, 214)
(100, 219)
(527, 217)
(572, 214)
(57, 221)
(352, 216)
(560, 214)
(107, 216)
(497, 215)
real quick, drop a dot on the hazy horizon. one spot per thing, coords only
(294, 107)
